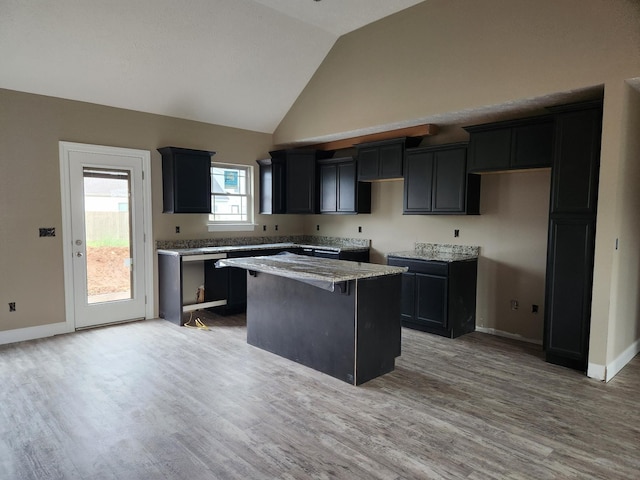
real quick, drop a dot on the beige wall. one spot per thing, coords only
(444, 56)
(511, 232)
(624, 326)
(30, 128)
(438, 57)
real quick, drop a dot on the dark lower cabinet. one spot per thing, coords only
(438, 297)
(572, 220)
(350, 255)
(228, 284)
(431, 300)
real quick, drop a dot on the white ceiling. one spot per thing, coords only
(239, 63)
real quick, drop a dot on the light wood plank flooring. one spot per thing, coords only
(150, 400)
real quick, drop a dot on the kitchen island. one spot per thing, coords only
(338, 317)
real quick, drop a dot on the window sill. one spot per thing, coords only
(231, 227)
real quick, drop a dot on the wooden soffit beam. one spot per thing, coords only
(424, 130)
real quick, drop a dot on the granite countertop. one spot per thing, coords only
(199, 247)
(320, 272)
(439, 252)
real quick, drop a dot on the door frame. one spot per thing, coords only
(67, 240)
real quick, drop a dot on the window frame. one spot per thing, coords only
(235, 225)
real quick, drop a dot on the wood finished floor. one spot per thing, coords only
(151, 400)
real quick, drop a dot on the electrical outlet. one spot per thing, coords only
(276, 227)
(456, 233)
(47, 232)
(12, 306)
(514, 304)
(264, 228)
(359, 229)
(177, 229)
(317, 228)
(534, 308)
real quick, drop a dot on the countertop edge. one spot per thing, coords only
(446, 258)
(241, 248)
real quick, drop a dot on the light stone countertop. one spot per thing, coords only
(198, 247)
(320, 272)
(439, 252)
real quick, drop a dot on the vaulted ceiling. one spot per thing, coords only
(239, 63)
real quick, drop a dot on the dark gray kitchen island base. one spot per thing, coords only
(352, 333)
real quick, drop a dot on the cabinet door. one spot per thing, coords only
(391, 160)
(237, 297)
(418, 181)
(328, 188)
(532, 145)
(449, 182)
(368, 163)
(216, 282)
(577, 160)
(186, 180)
(301, 180)
(192, 184)
(569, 281)
(347, 187)
(490, 150)
(272, 198)
(408, 300)
(431, 300)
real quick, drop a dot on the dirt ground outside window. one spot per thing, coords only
(107, 270)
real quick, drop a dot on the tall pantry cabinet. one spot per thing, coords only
(572, 221)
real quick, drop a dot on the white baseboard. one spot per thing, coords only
(598, 372)
(32, 333)
(625, 357)
(512, 336)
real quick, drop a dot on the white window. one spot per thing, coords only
(231, 197)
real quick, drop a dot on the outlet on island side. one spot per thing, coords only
(12, 306)
(177, 228)
(456, 233)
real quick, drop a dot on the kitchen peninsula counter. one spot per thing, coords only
(338, 317)
(188, 280)
(320, 272)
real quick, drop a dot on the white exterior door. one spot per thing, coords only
(105, 237)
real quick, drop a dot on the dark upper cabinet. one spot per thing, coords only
(272, 186)
(339, 190)
(511, 145)
(299, 178)
(186, 180)
(383, 160)
(436, 181)
(301, 183)
(418, 181)
(577, 161)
